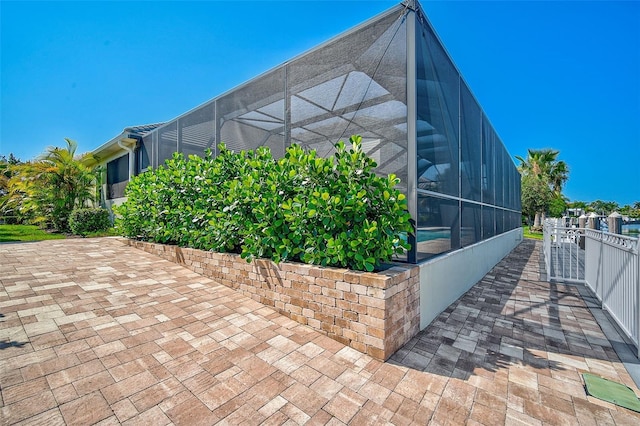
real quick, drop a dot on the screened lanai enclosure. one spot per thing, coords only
(391, 81)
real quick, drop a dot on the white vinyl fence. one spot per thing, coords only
(609, 264)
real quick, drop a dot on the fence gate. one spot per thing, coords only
(564, 252)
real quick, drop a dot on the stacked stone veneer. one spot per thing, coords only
(375, 313)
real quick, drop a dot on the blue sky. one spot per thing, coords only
(562, 75)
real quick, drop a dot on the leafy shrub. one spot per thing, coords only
(327, 211)
(85, 220)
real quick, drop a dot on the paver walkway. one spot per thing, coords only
(93, 331)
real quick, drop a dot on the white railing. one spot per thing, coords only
(612, 273)
(609, 264)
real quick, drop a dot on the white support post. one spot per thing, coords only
(129, 144)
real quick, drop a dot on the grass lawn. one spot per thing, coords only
(533, 235)
(26, 233)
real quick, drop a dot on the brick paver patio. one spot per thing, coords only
(93, 331)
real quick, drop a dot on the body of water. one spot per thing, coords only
(632, 229)
(428, 235)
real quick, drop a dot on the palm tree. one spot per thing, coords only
(5, 174)
(48, 189)
(558, 175)
(603, 207)
(537, 161)
(543, 164)
(71, 181)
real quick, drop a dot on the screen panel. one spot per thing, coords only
(500, 221)
(488, 157)
(471, 224)
(470, 146)
(167, 142)
(145, 153)
(488, 222)
(198, 131)
(254, 115)
(117, 177)
(438, 96)
(499, 174)
(355, 85)
(438, 226)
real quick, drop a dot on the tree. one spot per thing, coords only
(604, 208)
(578, 205)
(21, 201)
(5, 174)
(8, 168)
(543, 165)
(6, 171)
(626, 210)
(557, 205)
(46, 190)
(536, 197)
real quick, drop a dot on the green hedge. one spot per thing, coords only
(326, 211)
(85, 220)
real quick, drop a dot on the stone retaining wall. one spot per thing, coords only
(375, 313)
